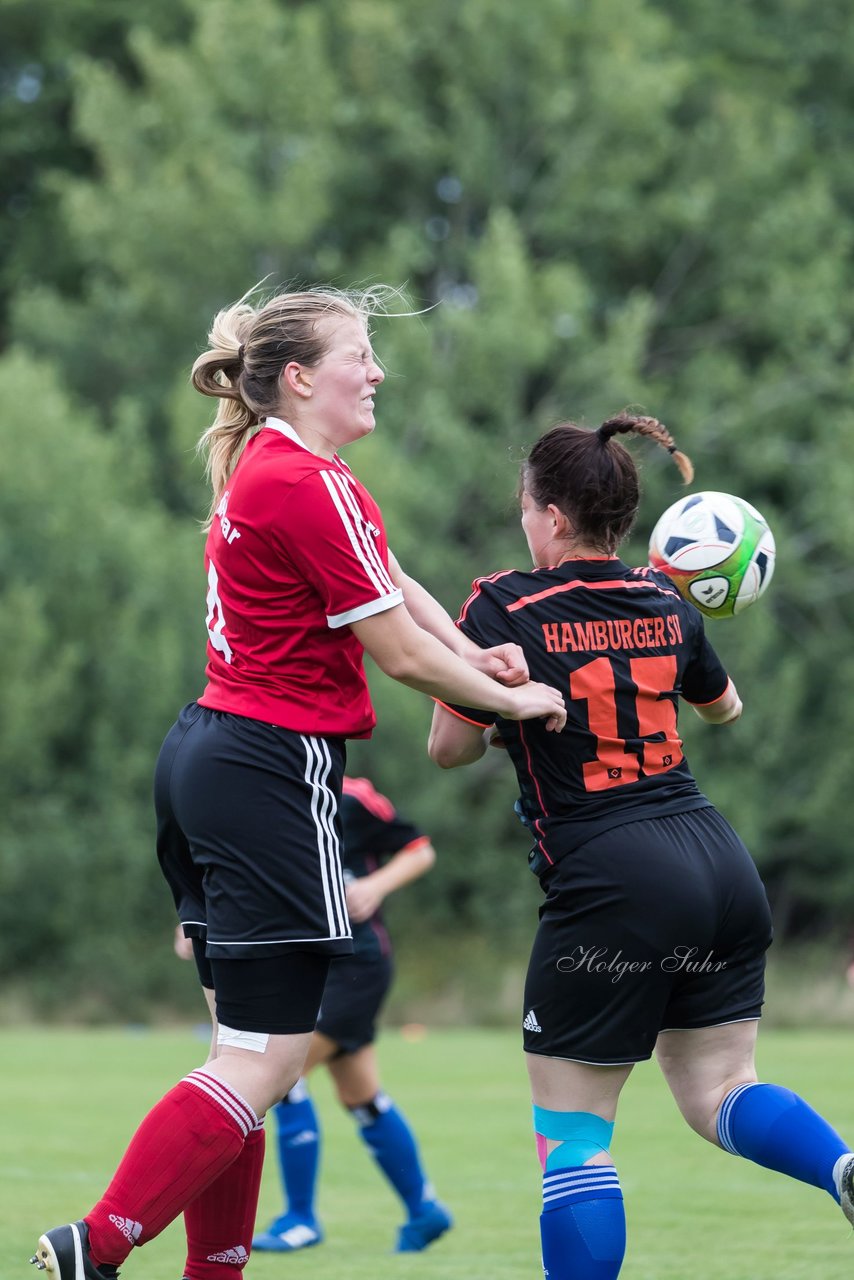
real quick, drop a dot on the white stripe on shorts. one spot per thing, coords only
(323, 808)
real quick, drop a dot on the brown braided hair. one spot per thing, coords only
(592, 478)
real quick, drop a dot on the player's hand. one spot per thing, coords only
(534, 701)
(504, 662)
(363, 899)
(183, 946)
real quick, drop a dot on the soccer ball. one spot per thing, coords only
(717, 549)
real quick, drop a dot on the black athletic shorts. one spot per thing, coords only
(249, 835)
(658, 925)
(356, 987)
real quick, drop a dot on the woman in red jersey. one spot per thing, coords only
(655, 924)
(300, 582)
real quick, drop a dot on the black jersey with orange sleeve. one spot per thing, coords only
(373, 832)
(622, 645)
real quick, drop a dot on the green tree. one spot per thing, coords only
(97, 626)
(38, 42)
(591, 206)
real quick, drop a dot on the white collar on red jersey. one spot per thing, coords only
(278, 424)
(285, 429)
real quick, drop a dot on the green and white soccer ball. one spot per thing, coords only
(718, 550)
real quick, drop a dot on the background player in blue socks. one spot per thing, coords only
(381, 852)
(655, 924)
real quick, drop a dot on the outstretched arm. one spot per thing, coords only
(408, 653)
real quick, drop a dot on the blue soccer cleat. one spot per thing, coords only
(287, 1234)
(422, 1230)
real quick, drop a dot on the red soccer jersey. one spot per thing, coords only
(296, 552)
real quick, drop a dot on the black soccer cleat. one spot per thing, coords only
(63, 1253)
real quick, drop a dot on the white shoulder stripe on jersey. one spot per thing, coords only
(368, 530)
(323, 808)
(365, 610)
(367, 538)
(361, 539)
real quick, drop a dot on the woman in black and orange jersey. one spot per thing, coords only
(655, 924)
(300, 582)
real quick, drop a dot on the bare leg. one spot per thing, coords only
(712, 1076)
(559, 1085)
(583, 1225)
(701, 1067)
(356, 1076)
(390, 1140)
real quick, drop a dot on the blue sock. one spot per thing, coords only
(775, 1128)
(393, 1146)
(299, 1151)
(583, 1223)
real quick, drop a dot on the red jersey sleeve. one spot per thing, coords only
(339, 544)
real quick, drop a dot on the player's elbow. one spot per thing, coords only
(426, 857)
(735, 713)
(442, 752)
(449, 752)
(399, 663)
(726, 710)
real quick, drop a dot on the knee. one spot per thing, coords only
(700, 1116)
(352, 1099)
(700, 1109)
(581, 1137)
(355, 1091)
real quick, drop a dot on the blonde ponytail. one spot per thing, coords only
(249, 348)
(218, 372)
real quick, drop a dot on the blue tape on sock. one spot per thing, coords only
(581, 1135)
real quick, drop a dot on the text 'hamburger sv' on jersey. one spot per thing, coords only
(622, 645)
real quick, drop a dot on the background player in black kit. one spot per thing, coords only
(382, 851)
(655, 924)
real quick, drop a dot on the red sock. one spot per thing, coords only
(221, 1220)
(182, 1145)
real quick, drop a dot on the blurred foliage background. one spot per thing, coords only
(639, 202)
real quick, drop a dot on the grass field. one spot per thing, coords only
(70, 1100)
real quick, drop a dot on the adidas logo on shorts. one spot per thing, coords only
(237, 1255)
(130, 1230)
(530, 1023)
